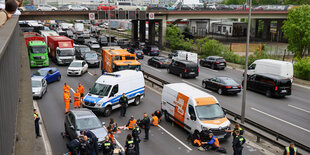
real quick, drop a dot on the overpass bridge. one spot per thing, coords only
(139, 19)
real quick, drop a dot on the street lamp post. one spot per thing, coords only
(246, 65)
(109, 23)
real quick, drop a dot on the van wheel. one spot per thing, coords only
(181, 75)
(220, 91)
(58, 78)
(268, 93)
(167, 117)
(137, 100)
(107, 111)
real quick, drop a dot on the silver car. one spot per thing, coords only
(45, 7)
(83, 119)
(39, 86)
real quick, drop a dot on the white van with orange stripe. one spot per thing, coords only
(194, 109)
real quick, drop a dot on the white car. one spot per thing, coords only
(93, 44)
(39, 86)
(76, 8)
(45, 7)
(77, 67)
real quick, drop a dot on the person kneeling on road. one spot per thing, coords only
(213, 144)
(132, 121)
(154, 120)
(159, 115)
(195, 138)
(107, 146)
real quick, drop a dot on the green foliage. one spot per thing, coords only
(211, 47)
(302, 68)
(176, 40)
(296, 2)
(254, 2)
(297, 30)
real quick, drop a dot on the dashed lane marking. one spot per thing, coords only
(90, 73)
(299, 108)
(195, 85)
(145, 65)
(175, 138)
(302, 86)
(72, 90)
(281, 120)
(47, 145)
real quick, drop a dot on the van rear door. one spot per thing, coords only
(284, 86)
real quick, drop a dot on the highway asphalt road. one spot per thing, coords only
(52, 111)
(289, 116)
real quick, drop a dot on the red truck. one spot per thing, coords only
(37, 49)
(62, 51)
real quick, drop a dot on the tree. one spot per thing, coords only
(297, 2)
(297, 30)
(176, 40)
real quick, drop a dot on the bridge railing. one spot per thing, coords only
(258, 130)
(10, 54)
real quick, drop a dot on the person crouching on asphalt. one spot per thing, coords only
(132, 121)
(159, 115)
(213, 144)
(154, 120)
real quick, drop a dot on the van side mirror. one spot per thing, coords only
(193, 117)
(72, 127)
(103, 123)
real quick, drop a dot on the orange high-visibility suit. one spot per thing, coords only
(77, 100)
(81, 89)
(67, 102)
(131, 123)
(66, 88)
(155, 120)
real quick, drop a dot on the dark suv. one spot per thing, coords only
(184, 68)
(214, 62)
(151, 50)
(270, 84)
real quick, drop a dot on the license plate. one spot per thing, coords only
(165, 62)
(235, 87)
(283, 91)
(192, 73)
(222, 64)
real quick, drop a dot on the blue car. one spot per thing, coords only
(50, 74)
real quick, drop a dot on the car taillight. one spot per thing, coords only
(276, 88)
(291, 87)
(239, 86)
(142, 53)
(185, 70)
(151, 50)
(158, 50)
(139, 45)
(160, 63)
(228, 87)
(198, 69)
(217, 62)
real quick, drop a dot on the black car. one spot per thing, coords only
(139, 53)
(159, 62)
(140, 45)
(80, 51)
(123, 42)
(214, 62)
(270, 84)
(92, 59)
(183, 68)
(103, 40)
(151, 50)
(223, 85)
(83, 119)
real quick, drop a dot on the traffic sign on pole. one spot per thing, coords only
(152, 16)
(91, 16)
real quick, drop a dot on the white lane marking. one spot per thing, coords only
(281, 120)
(175, 138)
(201, 67)
(195, 85)
(299, 108)
(47, 145)
(302, 86)
(119, 144)
(146, 65)
(72, 90)
(90, 73)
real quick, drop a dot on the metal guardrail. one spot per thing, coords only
(249, 124)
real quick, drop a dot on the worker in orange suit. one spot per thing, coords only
(81, 90)
(77, 99)
(67, 100)
(66, 88)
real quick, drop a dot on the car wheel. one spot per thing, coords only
(137, 100)
(167, 117)
(168, 70)
(157, 65)
(181, 75)
(201, 63)
(39, 10)
(41, 95)
(58, 78)
(137, 9)
(212, 66)
(204, 85)
(53, 10)
(268, 93)
(120, 9)
(70, 10)
(84, 9)
(149, 53)
(107, 111)
(220, 91)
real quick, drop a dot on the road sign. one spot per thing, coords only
(151, 16)
(91, 16)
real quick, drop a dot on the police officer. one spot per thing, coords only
(93, 141)
(74, 146)
(146, 123)
(237, 127)
(291, 150)
(36, 123)
(85, 146)
(107, 146)
(124, 103)
(238, 143)
(135, 134)
(130, 146)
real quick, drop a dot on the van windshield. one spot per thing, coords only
(209, 112)
(100, 89)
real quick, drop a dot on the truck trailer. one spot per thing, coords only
(61, 49)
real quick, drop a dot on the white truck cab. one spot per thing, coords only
(194, 109)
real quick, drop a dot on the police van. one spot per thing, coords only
(193, 109)
(105, 94)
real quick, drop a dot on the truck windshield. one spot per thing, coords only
(66, 52)
(209, 112)
(131, 67)
(100, 89)
(38, 49)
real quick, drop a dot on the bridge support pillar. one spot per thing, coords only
(279, 30)
(266, 32)
(162, 32)
(255, 25)
(152, 32)
(142, 31)
(134, 30)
